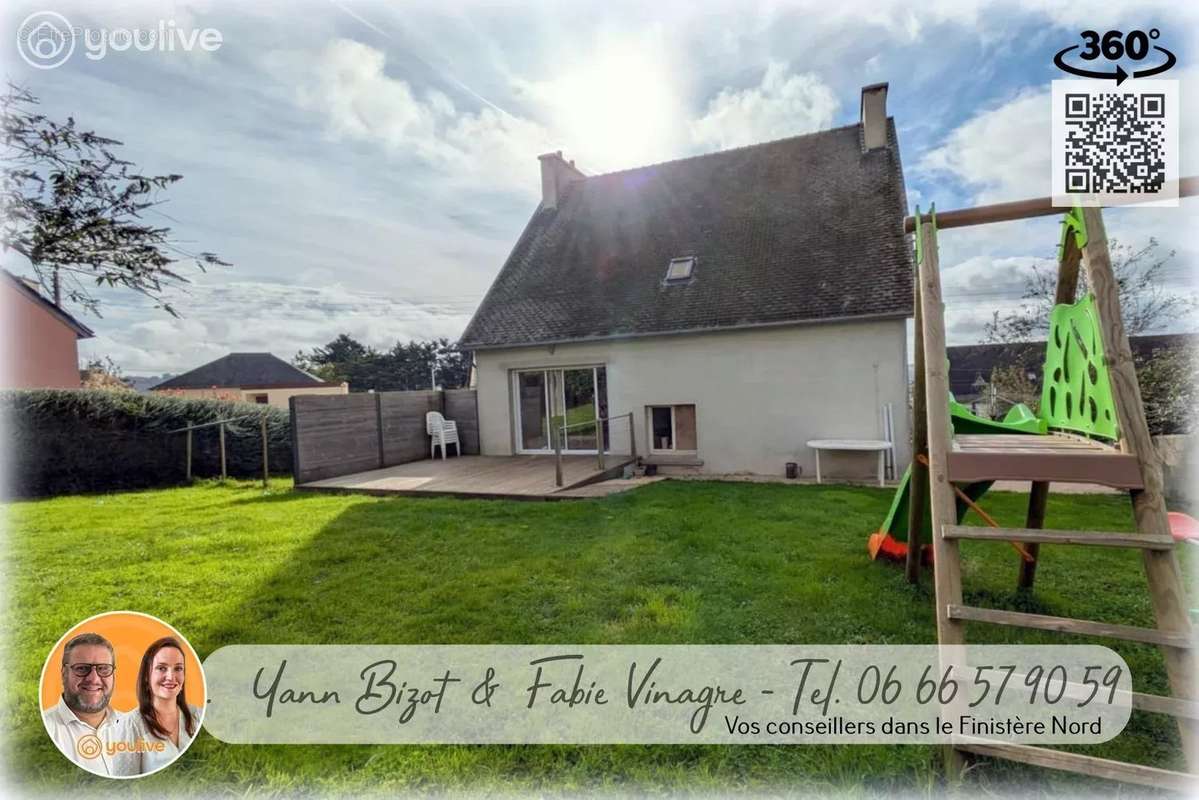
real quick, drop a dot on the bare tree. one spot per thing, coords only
(1145, 303)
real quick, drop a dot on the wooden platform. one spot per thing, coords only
(497, 477)
(1057, 458)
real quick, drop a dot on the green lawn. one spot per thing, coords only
(675, 562)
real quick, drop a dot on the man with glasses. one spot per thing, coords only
(81, 723)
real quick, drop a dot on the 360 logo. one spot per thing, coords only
(89, 746)
(45, 40)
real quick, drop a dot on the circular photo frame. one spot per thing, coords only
(122, 694)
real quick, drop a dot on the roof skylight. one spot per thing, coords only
(680, 269)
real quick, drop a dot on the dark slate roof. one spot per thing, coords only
(797, 230)
(81, 331)
(971, 363)
(243, 370)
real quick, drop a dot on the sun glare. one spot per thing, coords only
(617, 110)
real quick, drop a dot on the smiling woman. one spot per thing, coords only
(163, 714)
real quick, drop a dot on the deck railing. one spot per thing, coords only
(558, 431)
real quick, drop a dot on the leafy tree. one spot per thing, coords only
(453, 365)
(74, 209)
(343, 359)
(406, 366)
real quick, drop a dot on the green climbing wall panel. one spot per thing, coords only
(1076, 394)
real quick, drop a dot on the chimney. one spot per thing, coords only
(556, 174)
(874, 116)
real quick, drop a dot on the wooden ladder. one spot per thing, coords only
(1173, 630)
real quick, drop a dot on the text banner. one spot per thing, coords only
(646, 694)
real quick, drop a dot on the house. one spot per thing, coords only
(736, 304)
(249, 377)
(41, 340)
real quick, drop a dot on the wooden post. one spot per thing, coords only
(379, 426)
(295, 438)
(946, 560)
(223, 471)
(189, 455)
(1038, 496)
(1038, 499)
(266, 455)
(1148, 505)
(918, 480)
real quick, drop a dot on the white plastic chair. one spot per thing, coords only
(443, 432)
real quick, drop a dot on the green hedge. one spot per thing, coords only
(67, 441)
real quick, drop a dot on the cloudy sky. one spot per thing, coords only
(367, 167)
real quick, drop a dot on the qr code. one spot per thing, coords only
(1115, 143)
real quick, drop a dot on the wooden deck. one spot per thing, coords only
(503, 477)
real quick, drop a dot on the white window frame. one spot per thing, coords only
(674, 430)
(518, 438)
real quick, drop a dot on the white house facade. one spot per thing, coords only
(743, 401)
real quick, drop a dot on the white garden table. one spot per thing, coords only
(853, 444)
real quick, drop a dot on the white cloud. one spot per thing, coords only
(1110, 13)
(284, 320)
(1001, 153)
(346, 82)
(783, 104)
(986, 275)
(348, 85)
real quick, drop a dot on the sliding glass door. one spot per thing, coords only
(533, 411)
(570, 400)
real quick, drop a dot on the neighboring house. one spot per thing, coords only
(144, 383)
(248, 377)
(970, 366)
(40, 349)
(738, 304)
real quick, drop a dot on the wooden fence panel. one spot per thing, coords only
(334, 435)
(461, 405)
(403, 419)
